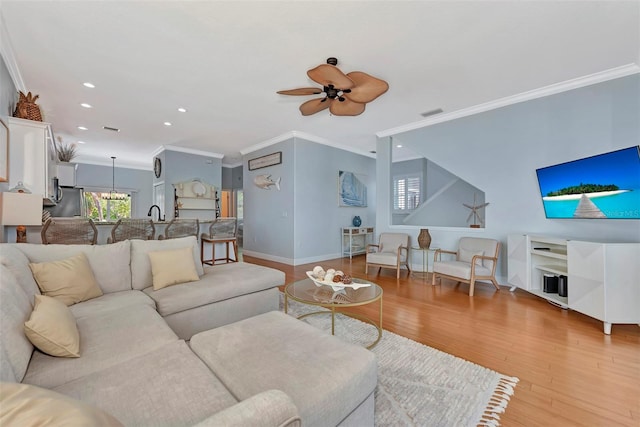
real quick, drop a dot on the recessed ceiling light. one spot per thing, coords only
(399, 146)
(89, 85)
(82, 128)
(81, 142)
(85, 105)
(182, 110)
(167, 123)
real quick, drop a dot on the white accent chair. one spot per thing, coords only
(392, 251)
(475, 259)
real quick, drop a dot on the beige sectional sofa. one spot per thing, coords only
(209, 352)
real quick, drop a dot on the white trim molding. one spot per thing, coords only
(603, 76)
(6, 51)
(186, 150)
(307, 137)
(290, 261)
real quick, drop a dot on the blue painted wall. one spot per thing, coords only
(301, 222)
(8, 98)
(499, 151)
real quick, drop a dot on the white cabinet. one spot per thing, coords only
(602, 278)
(66, 173)
(604, 281)
(355, 240)
(32, 156)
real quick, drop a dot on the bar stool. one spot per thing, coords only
(222, 230)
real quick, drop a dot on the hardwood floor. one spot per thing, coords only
(571, 373)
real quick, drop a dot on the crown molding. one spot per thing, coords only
(6, 51)
(603, 76)
(186, 150)
(306, 136)
(121, 164)
(232, 165)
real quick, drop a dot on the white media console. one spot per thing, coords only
(603, 278)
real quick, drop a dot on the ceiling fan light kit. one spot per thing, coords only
(345, 94)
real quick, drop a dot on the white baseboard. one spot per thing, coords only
(290, 261)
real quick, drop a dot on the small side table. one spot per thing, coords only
(425, 259)
(213, 241)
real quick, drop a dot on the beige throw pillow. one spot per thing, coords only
(28, 405)
(52, 328)
(172, 267)
(70, 280)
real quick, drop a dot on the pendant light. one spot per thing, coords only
(112, 195)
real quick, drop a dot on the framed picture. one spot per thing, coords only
(264, 161)
(4, 151)
(352, 190)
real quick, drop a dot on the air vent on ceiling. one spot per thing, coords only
(431, 112)
(111, 129)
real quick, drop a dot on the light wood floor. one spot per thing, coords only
(571, 374)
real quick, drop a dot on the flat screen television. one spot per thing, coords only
(602, 186)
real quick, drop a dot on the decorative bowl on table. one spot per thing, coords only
(336, 286)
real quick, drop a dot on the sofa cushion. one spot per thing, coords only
(221, 282)
(27, 405)
(109, 263)
(269, 408)
(141, 275)
(15, 309)
(69, 280)
(111, 301)
(169, 386)
(18, 263)
(52, 328)
(326, 377)
(103, 343)
(172, 267)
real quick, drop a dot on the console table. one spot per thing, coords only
(602, 278)
(355, 240)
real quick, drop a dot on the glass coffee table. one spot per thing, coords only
(307, 292)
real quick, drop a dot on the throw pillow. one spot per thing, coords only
(172, 267)
(70, 280)
(467, 255)
(28, 405)
(52, 328)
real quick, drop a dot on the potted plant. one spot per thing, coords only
(66, 152)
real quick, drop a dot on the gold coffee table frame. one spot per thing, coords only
(307, 292)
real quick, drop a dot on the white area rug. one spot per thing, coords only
(419, 385)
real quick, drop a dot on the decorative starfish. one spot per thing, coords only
(474, 210)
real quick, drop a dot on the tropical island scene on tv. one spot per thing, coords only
(602, 186)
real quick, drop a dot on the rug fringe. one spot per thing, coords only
(498, 402)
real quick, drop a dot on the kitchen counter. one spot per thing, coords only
(104, 230)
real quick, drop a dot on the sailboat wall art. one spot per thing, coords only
(352, 190)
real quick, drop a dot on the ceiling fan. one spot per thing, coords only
(345, 94)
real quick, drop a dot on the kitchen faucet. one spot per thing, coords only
(160, 218)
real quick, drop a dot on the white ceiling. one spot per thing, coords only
(225, 60)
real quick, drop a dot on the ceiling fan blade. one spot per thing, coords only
(366, 88)
(346, 108)
(313, 106)
(326, 75)
(301, 91)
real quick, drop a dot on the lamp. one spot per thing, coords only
(20, 209)
(112, 195)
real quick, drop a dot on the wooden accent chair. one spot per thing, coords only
(392, 251)
(181, 227)
(132, 228)
(222, 230)
(475, 259)
(69, 231)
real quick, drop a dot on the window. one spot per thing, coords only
(107, 206)
(407, 192)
